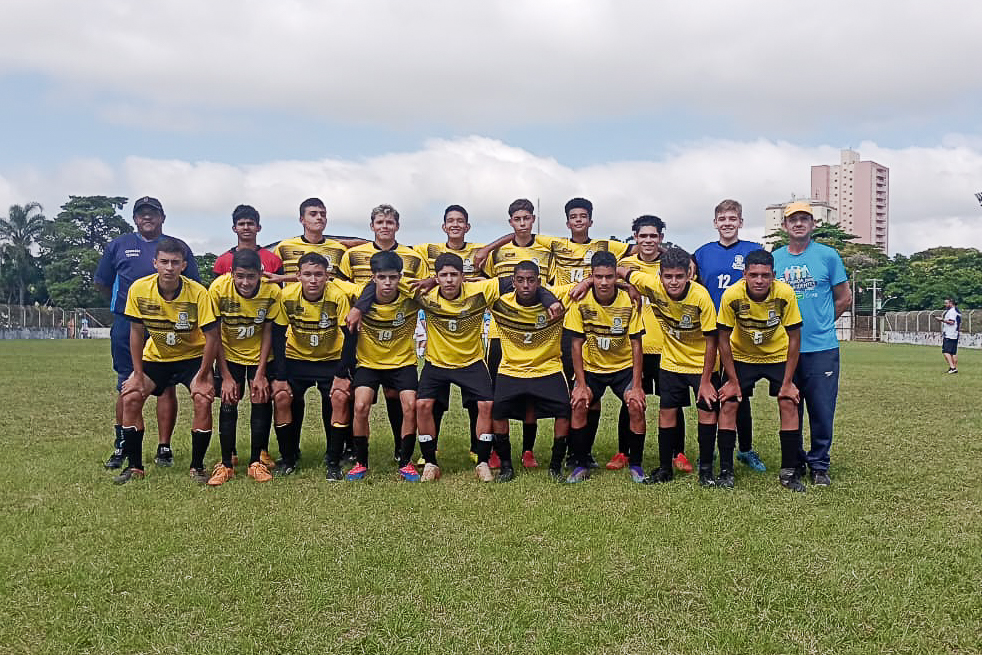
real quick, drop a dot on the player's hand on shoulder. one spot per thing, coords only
(580, 290)
(556, 310)
(353, 320)
(278, 278)
(424, 285)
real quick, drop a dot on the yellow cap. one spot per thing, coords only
(796, 207)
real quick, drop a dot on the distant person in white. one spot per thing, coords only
(951, 323)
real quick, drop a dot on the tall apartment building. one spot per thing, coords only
(859, 191)
(774, 214)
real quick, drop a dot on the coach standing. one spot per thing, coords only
(128, 258)
(818, 277)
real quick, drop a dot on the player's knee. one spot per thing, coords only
(424, 406)
(484, 407)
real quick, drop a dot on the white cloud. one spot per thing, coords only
(490, 63)
(931, 189)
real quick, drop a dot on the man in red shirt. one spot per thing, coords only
(245, 224)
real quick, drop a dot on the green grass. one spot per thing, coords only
(885, 561)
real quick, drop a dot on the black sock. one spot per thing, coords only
(483, 449)
(635, 450)
(592, 426)
(361, 450)
(579, 445)
(623, 430)
(745, 425)
(427, 448)
(393, 408)
(284, 438)
(407, 447)
(678, 445)
(502, 446)
(529, 432)
(666, 446)
(790, 448)
(199, 447)
(707, 444)
(118, 442)
(227, 419)
(327, 417)
(133, 446)
(558, 452)
(727, 440)
(340, 435)
(259, 421)
(472, 418)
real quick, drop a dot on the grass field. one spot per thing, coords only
(888, 560)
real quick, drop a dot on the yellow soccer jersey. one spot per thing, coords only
(501, 262)
(759, 329)
(385, 339)
(291, 250)
(314, 332)
(653, 339)
(174, 325)
(685, 322)
(454, 327)
(430, 251)
(571, 260)
(243, 318)
(529, 338)
(356, 263)
(607, 330)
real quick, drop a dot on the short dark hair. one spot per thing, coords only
(527, 265)
(450, 259)
(759, 257)
(314, 258)
(384, 210)
(248, 259)
(648, 220)
(675, 257)
(580, 203)
(170, 245)
(603, 258)
(245, 212)
(519, 205)
(385, 260)
(953, 300)
(456, 208)
(311, 202)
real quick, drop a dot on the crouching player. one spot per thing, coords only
(688, 358)
(530, 373)
(759, 338)
(246, 305)
(385, 352)
(606, 333)
(177, 314)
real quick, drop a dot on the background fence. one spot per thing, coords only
(40, 322)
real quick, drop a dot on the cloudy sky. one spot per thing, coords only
(644, 107)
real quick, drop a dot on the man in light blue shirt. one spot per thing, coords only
(818, 277)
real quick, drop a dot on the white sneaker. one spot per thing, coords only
(483, 472)
(431, 473)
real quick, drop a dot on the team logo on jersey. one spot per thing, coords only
(540, 320)
(325, 320)
(617, 327)
(468, 265)
(399, 319)
(685, 322)
(738, 263)
(535, 260)
(260, 315)
(772, 318)
(182, 321)
(587, 256)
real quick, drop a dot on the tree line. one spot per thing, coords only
(51, 261)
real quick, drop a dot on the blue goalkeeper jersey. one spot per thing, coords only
(722, 266)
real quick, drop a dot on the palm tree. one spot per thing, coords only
(20, 230)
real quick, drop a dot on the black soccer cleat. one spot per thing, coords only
(334, 473)
(556, 474)
(282, 469)
(725, 479)
(116, 460)
(128, 474)
(505, 474)
(706, 478)
(821, 479)
(790, 479)
(591, 461)
(659, 476)
(165, 456)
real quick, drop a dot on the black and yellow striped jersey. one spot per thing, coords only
(759, 329)
(314, 327)
(684, 322)
(501, 262)
(291, 250)
(652, 340)
(356, 263)
(174, 325)
(454, 328)
(607, 331)
(571, 260)
(430, 251)
(242, 318)
(530, 340)
(385, 338)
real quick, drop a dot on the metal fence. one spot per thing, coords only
(41, 322)
(36, 316)
(927, 321)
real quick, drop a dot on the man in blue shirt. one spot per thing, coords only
(720, 265)
(128, 258)
(818, 277)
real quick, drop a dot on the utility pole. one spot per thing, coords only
(874, 281)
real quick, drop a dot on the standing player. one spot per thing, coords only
(530, 374)
(759, 338)
(245, 224)
(310, 349)
(606, 331)
(176, 313)
(951, 324)
(246, 305)
(313, 218)
(820, 284)
(720, 264)
(456, 225)
(688, 358)
(128, 258)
